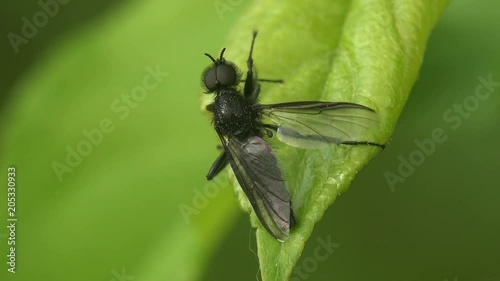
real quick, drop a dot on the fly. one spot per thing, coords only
(242, 125)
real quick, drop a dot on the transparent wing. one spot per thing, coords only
(256, 168)
(317, 124)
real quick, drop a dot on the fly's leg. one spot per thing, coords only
(279, 81)
(210, 107)
(219, 164)
(269, 128)
(252, 87)
(363, 143)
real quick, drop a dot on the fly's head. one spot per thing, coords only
(221, 74)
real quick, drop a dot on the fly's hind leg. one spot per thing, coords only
(363, 143)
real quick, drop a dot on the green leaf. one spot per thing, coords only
(119, 207)
(367, 52)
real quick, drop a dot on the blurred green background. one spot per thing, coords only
(117, 214)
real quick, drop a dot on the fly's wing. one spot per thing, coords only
(256, 168)
(313, 124)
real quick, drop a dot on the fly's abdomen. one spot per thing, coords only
(232, 114)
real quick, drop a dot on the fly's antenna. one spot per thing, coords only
(209, 56)
(222, 54)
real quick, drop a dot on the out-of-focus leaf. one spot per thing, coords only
(114, 210)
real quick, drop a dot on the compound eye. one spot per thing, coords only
(210, 81)
(226, 76)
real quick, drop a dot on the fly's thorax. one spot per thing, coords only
(233, 115)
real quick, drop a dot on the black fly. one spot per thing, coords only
(241, 124)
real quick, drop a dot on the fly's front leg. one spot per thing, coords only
(279, 81)
(252, 87)
(210, 107)
(219, 164)
(252, 97)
